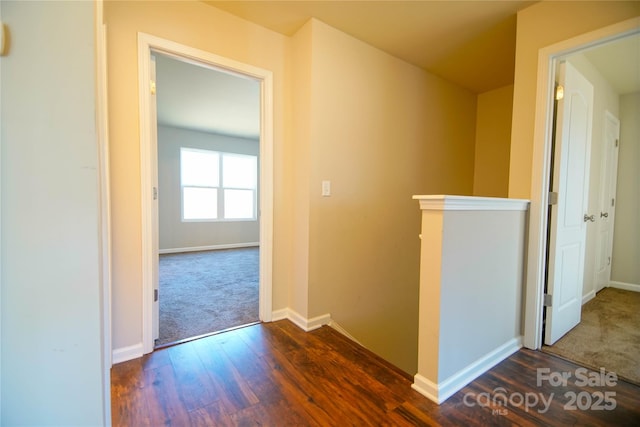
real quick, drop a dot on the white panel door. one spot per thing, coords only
(608, 181)
(568, 218)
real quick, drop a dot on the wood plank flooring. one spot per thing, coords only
(275, 374)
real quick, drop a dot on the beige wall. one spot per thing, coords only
(175, 233)
(198, 25)
(626, 239)
(541, 25)
(380, 130)
(493, 142)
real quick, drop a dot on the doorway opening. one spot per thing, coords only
(607, 305)
(208, 151)
(226, 184)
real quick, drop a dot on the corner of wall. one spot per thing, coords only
(124, 354)
(493, 142)
(301, 321)
(299, 149)
(441, 391)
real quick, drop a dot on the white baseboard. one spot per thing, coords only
(301, 321)
(445, 389)
(625, 286)
(588, 297)
(427, 388)
(311, 324)
(276, 315)
(208, 248)
(120, 355)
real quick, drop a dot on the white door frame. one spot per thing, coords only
(537, 245)
(147, 43)
(102, 127)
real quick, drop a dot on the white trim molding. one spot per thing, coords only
(308, 325)
(300, 321)
(440, 392)
(104, 188)
(146, 45)
(468, 203)
(127, 353)
(427, 388)
(209, 248)
(625, 286)
(280, 314)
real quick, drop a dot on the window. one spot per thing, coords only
(217, 186)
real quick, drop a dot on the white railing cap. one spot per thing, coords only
(470, 203)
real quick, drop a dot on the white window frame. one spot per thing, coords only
(220, 188)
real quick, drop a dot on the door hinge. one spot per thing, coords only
(155, 193)
(613, 202)
(609, 261)
(155, 295)
(553, 197)
(617, 142)
(547, 300)
(152, 87)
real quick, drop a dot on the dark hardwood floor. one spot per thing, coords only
(275, 374)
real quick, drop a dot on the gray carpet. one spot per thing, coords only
(209, 291)
(607, 335)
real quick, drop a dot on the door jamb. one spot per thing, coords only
(537, 244)
(147, 43)
(104, 194)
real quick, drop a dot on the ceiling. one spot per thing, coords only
(470, 43)
(619, 63)
(194, 97)
(447, 38)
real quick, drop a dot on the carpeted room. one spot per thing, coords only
(607, 335)
(207, 291)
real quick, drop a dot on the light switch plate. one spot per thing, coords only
(326, 188)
